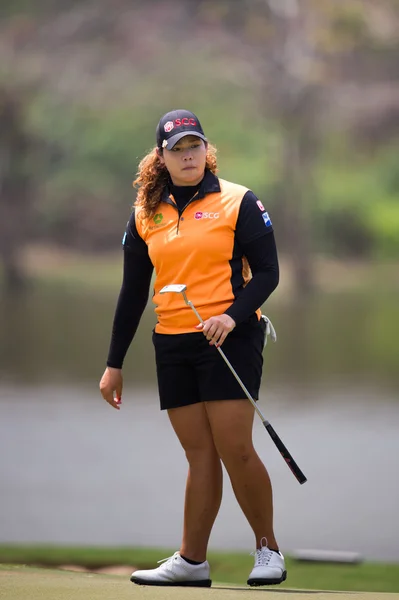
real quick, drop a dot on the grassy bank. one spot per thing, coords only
(232, 568)
(48, 264)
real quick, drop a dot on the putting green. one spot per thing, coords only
(22, 583)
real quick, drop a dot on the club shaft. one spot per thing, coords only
(244, 389)
(228, 363)
(269, 428)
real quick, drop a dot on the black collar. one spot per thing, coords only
(209, 185)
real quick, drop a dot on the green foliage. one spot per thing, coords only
(358, 204)
(93, 155)
(96, 156)
(96, 119)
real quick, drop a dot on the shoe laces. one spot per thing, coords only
(262, 555)
(169, 558)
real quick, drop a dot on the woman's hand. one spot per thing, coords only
(216, 329)
(111, 385)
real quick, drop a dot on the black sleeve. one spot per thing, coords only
(131, 240)
(254, 234)
(253, 220)
(133, 296)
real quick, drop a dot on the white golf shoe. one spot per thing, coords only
(269, 567)
(175, 571)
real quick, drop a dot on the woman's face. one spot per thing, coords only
(186, 161)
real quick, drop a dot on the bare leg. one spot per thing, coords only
(231, 422)
(204, 480)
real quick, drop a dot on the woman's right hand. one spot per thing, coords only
(111, 385)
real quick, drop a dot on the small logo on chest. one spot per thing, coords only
(206, 215)
(158, 221)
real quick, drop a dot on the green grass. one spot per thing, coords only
(231, 568)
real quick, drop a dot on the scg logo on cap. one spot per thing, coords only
(185, 121)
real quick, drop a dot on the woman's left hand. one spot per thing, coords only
(216, 329)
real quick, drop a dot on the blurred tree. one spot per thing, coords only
(314, 57)
(16, 187)
(294, 95)
(311, 87)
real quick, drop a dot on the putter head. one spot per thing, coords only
(176, 288)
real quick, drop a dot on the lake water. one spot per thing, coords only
(61, 335)
(74, 471)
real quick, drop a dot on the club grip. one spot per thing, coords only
(284, 453)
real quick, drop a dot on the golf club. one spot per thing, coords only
(179, 288)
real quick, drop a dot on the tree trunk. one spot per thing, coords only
(295, 194)
(13, 275)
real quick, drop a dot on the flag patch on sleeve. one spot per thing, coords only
(266, 219)
(260, 205)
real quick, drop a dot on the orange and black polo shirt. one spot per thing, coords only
(220, 245)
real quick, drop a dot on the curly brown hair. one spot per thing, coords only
(152, 177)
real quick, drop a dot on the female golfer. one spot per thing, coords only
(215, 237)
